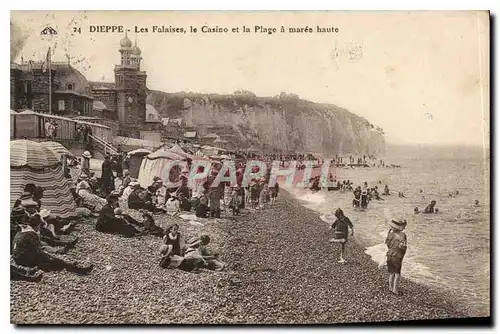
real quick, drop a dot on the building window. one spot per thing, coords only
(69, 86)
(60, 104)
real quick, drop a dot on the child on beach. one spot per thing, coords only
(263, 197)
(341, 231)
(396, 244)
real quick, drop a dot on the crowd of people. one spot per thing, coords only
(37, 237)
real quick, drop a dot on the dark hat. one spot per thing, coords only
(34, 220)
(111, 198)
(17, 213)
(30, 187)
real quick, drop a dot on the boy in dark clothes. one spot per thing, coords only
(341, 229)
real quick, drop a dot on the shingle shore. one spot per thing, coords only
(282, 269)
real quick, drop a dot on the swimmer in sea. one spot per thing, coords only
(386, 190)
(476, 203)
(430, 207)
(436, 210)
(416, 211)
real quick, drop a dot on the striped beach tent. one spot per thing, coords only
(58, 149)
(32, 162)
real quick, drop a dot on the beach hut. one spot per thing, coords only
(135, 160)
(32, 162)
(156, 164)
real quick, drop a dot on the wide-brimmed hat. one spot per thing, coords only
(84, 176)
(397, 223)
(133, 184)
(44, 213)
(86, 154)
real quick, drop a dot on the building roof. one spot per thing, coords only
(72, 92)
(190, 134)
(64, 74)
(152, 115)
(101, 85)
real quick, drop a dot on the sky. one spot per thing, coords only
(421, 76)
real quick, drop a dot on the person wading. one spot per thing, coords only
(341, 231)
(396, 244)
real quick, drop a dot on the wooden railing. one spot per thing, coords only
(105, 147)
(32, 125)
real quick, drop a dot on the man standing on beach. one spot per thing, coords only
(396, 244)
(341, 227)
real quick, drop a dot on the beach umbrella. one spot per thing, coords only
(57, 148)
(32, 162)
(31, 154)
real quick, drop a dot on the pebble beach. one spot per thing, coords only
(281, 269)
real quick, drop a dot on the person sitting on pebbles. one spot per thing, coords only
(172, 205)
(174, 238)
(51, 242)
(135, 201)
(397, 244)
(202, 210)
(90, 200)
(341, 231)
(210, 257)
(109, 223)
(149, 225)
(27, 251)
(169, 260)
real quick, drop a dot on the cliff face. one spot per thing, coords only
(284, 122)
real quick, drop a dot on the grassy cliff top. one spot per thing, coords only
(291, 103)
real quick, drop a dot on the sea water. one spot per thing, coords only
(449, 250)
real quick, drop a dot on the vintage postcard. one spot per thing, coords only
(173, 167)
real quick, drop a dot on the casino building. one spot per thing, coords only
(72, 95)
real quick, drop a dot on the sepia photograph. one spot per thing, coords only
(250, 167)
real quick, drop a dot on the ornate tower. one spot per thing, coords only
(131, 86)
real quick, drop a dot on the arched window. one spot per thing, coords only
(69, 86)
